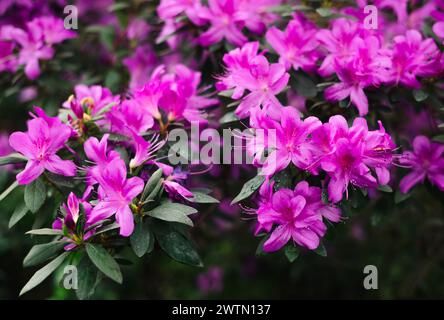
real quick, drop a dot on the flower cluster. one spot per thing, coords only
(92, 114)
(35, 42)
(298, 214)
(226, 18)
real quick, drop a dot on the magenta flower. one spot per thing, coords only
(51, 29)
(97, 151)
(8, 62)
(140, 64)
(193, 9)
(347, 154)
(35, 43)
(257, 75)
(210, 281)
(171, 183)
(225, 23)
(426, 161)
(90, 100)
(130, 116)
(340, 41)
(296, 45)
(438, 29)
(144, 150)
(292, 140)
(367, 67)
(32, 49)
(70, 221)
(413, 57)
(137, 30)
(40, 144)
(116, 195)
(297, 213)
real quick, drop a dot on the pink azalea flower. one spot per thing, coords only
(262, 79)
(137, 30)
(193, 9)
(150, 93)
(130, 116)
(298, 214)
(97, 151)
(225, 23)
(8, 62)
(438, 29)
(296, 45)
(36, 41)
(90, 100)
(344, 154)
(340, 42)
(116, 194)
(413, 57)
(144, 150)
(69, 222)
(292, 143)
(5, 149)
(426, 161)
(51, 29)
(32, 49)
(171, 183)
(45, 136)
(368, 67)
(140, 64)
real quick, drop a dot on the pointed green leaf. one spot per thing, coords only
(142, 240)
(179, 248)
(18, 214)
(43, 273)
(291, 252)
(35, 195)
(104, 261)
(249, 188)
(42, 252)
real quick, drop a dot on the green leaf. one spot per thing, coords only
(291, 252)
(320, 250)
(324, 12)
(18, 214)
(420, 95)
(439, 138)
(260, 247)
(118, 6)
(35, 195)
(43, 273)
(46, 232)
(173, 212)
(400, 197)
(87, 278)
(226, 93)
(152, 183)
(385, 188)
(200, 197)
(42, 252)
(142, 240)
(107, 228)
(104, 261)
(304, 86)
(228, 117)
(11, 159)
(249, 187)
(9, 190)
(61, 181)
(179, 248)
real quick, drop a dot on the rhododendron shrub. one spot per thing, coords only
(337, 119)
